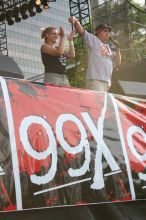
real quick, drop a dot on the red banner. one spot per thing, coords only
(66, 146)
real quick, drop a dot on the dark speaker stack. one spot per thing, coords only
(9, 68)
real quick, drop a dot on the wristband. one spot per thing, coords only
(71, 43)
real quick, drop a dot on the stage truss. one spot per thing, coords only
(12, 11)
(78, 8)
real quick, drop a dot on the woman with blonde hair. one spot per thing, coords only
(54, 57)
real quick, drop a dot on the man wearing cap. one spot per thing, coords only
(101, 58)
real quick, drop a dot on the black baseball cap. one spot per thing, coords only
(103, 26)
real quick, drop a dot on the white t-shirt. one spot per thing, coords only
(100, 59)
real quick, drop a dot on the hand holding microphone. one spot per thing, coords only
(116, 45)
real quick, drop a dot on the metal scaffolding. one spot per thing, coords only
(80, 9)
(9, 9)
(3, 37)
(5, 7)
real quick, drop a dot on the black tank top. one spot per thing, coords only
(54, 64)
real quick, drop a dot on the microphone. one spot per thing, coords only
(115, 42)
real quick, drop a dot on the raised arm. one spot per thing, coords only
(117, 52)
(60, 47)
(71, 52)
(118, 57)
(77, 26)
